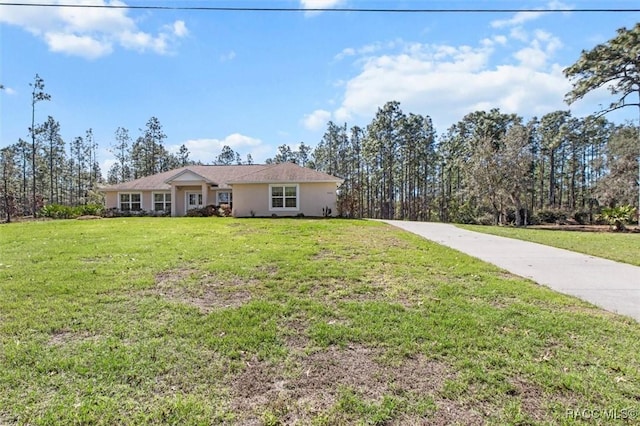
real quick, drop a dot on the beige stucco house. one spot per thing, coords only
(284, 189)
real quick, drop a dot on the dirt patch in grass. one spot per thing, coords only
(310, 385)
(448, 413)
(205, 291)
(531, 397)
(295, 334)
(269, 270)
(369, 289)
(65, 337)
(327, 254)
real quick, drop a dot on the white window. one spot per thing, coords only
(283, 197)
(162, 201)
(224, 197)
(130, 201)
(194, 200)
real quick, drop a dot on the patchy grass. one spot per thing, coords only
(621, 247)
(201, 321)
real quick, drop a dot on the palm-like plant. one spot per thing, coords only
(618, 216)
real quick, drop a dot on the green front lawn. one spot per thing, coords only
(621, 247)
(209, 320)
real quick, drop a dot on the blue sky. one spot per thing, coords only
(256, 80)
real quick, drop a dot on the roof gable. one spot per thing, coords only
(188, 175)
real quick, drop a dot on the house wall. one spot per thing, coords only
(313, 197)
(111, 200)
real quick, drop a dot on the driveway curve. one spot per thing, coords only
(610, 285)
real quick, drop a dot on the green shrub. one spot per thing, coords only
(195, 213)
(486, 218)
(551, 216)
(58, 211)
(618, 216)
(91, 210)
(114, 212)
(465, 213)
(582, 217)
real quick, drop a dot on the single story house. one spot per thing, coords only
(283, 189)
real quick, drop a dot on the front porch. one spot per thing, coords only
(192, 191)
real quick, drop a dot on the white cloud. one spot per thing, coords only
(517, 20)
(31, 19)
(531, 57)
(72, 44)
(519, 34)
(180, 29)
(446, 82)
(229, 56)
(105, 165)
(236, 140)
(318, 4)
(343, 114)
(349, 51)
(93, 20)
(90, 32)
(372, 48)
(207, 149)
(9, 91)
(316, 120)
(552, 43)
(135, 40)
(538, 52)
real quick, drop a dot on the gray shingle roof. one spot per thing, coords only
(223, 176)
(284, 172)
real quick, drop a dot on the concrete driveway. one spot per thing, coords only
(610, 285)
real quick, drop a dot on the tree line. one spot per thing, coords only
(490, 167)
(46, 169)
(49, 170)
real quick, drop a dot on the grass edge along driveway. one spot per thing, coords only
(620, 247)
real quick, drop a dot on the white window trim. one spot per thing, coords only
(284, 185)
(218, 201)
(164, 202)
(130, 194)
(186, 199)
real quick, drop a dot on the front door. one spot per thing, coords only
(194, 200)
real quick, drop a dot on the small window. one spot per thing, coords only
(283, 197)
(194, 199)
(224, 197)
(162, 201)
(130, 201)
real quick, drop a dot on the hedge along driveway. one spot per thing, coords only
(611, 285)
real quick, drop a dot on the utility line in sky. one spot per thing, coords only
(293, 9)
